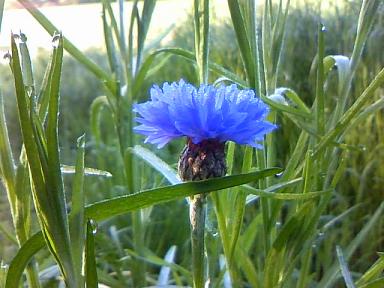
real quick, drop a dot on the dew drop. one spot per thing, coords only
(23, 37)
(278, 98)
(278, 175)
(278, 224)
(55, 40)
(7, 56)
(323, 29)
(93, 226)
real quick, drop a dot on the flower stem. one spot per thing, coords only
(197, 218)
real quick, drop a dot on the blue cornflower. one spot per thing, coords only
(222, 114)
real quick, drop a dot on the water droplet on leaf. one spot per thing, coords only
(93, 226)
(278, 175)
(23, 37)
(7, 56)
(56, 39)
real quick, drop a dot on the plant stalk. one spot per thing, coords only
(197, 218)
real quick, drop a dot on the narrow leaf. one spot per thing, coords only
(320, 102)
(165, 271)
(90, 260)
(52, 133)
(26, 64)
(330, 277)
(1, 11)
(350, 113)
(96, 107)
(69, 47)
(119, 205)
(344, 268)
(116, 206)
(201, 21)
(150, 158)
(76, 218)
(23, 256)
(374, 271)
(7, 168)
(242, 40)
(66, 169)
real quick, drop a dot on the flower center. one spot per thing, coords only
(202, 160)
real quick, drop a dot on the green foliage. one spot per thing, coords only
(318, 224)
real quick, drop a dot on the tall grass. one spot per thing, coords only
(284, 230)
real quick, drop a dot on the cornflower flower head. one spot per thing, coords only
(208, 116)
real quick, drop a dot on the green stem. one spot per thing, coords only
(138, 244)
(264, 203)
(32, 275)
(197, 205)
(197, 218)
(225, 236)
(201, 22)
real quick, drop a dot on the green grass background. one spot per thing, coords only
(167, 225)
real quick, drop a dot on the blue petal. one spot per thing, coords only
(224, 113)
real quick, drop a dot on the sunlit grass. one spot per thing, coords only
(302, 227)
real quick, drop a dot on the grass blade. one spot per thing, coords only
(371, 109)
(150, 60)
(66, 169)
(165, 271)
(7, 167)
(90, 260)
(201, 22)
(158, 164)
(119, 205)
(344, 268)
(109, 44)
(118, 35)
(284, 196)
(368, 11)
(69, 47)
(76, 218)
(26, 65)
(351, 113)
(25, 123)
(52, 134)
(145, 20)
(378, 283)
(152, 258)
(1, 11)
(8, 234)
(332, 273)
(243, 40)
(96, 107)
(48, 194)
(116, 206)
(320, 117)
(373, 272)
(23, 256)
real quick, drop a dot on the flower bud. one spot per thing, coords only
(202, 161)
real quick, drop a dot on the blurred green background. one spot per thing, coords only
(362, 183)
